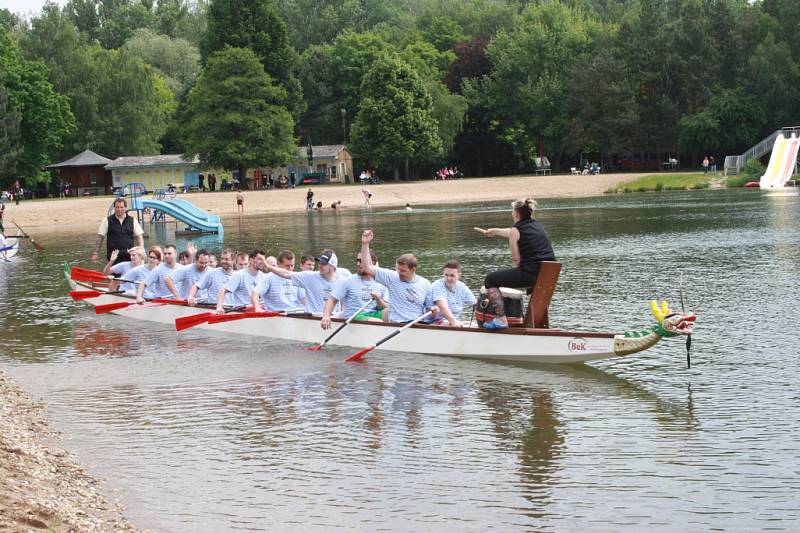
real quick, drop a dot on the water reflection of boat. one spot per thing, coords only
(542, 345)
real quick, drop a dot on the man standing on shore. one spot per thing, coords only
(120, 230)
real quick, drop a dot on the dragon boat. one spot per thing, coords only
(533, 341)
(11, 249)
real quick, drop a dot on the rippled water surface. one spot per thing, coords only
(205, 432)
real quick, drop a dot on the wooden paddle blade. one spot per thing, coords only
(186, 322)
(107, 308)
(358, 356)
(82, 295)
(38, 246)
(167, 301)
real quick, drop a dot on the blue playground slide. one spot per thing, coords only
(183, 211)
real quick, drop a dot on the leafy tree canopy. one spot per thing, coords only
(237, 118)
(45, 118)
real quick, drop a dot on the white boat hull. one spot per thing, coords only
(514, 344)
(8, 255)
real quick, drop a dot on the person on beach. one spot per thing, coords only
(239, 201)
(120, 230)
(529, 245)
(317, 284)
(354, 292)
(309, 199)
(367, 195)
(705, 165)
(410, 294)
(451, 295)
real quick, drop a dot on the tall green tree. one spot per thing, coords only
(9, 136)
(134, 104)
(332, 76)
(236, 117)
(395, 121)
(45, 118)
(255, 24)
(53, 39)
(728, 124)
(177, 60)
(123, 21)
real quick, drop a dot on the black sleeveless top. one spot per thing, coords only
(534, 244)
(120, 236)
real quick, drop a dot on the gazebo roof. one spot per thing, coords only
(87, 158)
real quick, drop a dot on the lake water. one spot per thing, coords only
(205, 432)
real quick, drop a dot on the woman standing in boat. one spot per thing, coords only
(529, 245)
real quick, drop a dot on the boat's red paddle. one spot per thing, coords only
(216, 319)
(360, 354)
(186, 322)
(82, 295)
(89, 276)
(168, 301)
(340, 328)
(107, 308)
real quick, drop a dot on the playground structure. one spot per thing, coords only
(782, 162)
(165, 204)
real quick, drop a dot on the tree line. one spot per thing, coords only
(408, 85)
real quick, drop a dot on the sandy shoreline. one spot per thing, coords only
(54, 216)
(41, 485)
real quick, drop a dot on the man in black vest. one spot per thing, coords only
(121, 230)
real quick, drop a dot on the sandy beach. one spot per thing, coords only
(52, 216)
(42, 487)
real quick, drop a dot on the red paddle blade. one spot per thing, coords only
(186, 322)
(358, 356)
(239, 316)
(82, 295)
(171, 302)
(87, 276)
(107, 308)
(316, 348)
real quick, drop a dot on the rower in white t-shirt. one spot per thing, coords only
(318, 283)
(410, 294)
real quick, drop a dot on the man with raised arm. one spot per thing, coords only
(121, 231)
(277, 293)
(354, 292)
(209, 285)
(318, 283)
(410, 294)
(243, 282)
(181, 280)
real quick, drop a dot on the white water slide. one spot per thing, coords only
(782, 162)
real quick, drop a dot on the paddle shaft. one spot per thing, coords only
(340, 328)
(33, 242)
(360, 355)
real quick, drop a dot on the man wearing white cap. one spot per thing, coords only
(317, 283)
